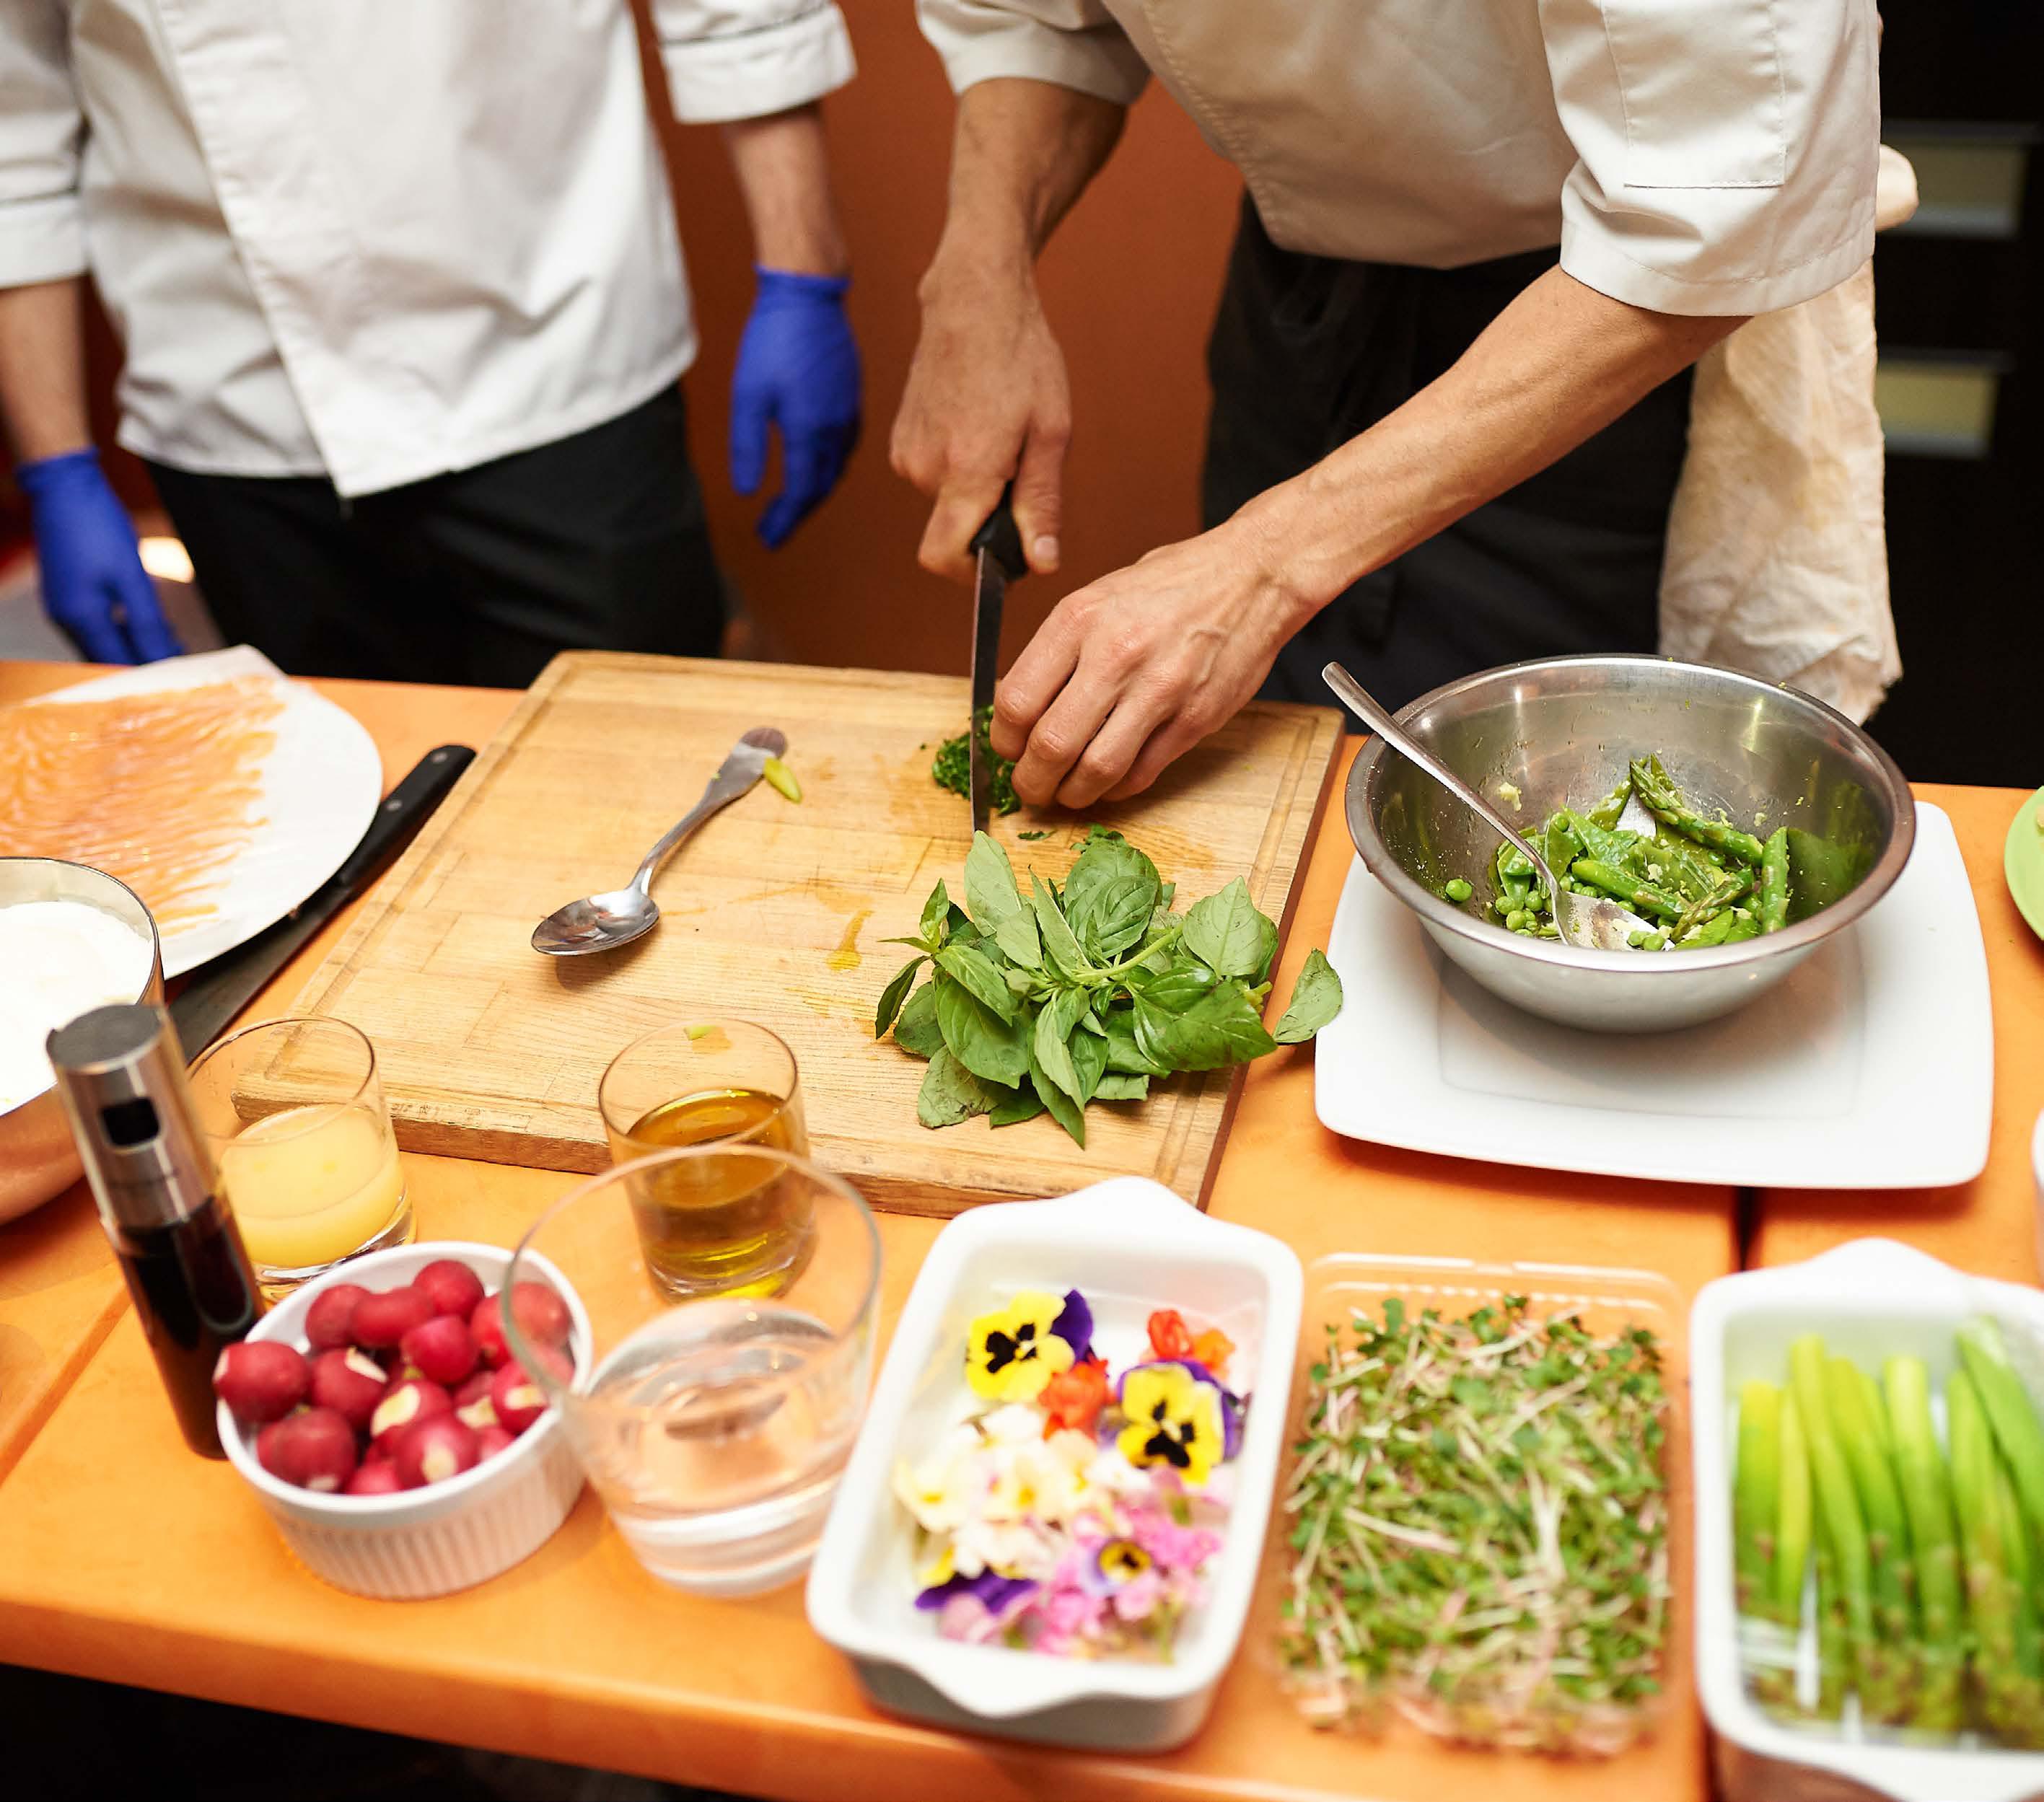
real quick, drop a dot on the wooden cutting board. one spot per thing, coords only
(772, 912)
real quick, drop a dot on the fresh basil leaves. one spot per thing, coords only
(1048, 1000)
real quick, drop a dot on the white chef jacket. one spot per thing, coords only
(375, 238)
(1690, 157)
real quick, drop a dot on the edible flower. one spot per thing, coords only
(992, 1591)
(1012, 1354)
(938, 1491)
(1170, 1337)
(1075, 1325)
(1073, 1399)
(1119, 1562)
(1175, 1419)
(1213, 1348)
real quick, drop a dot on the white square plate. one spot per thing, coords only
(1871, 1067)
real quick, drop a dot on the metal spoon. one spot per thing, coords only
(602, 923)
(1589, 923)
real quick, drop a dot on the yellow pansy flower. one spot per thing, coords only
(1174, 1419)
(1011, 1354)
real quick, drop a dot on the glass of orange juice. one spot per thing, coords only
(735, 1226)
(295, 1113)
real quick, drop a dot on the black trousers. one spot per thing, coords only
(595, 541)
(1308, 351)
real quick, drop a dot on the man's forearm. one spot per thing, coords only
(1021, 154)
(42, 370)
(1558, 364)
(783, 169)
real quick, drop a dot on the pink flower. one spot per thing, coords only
(965, 1617)
(1136, 1598)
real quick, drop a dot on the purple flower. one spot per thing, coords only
(1232, 1406)
(991, 1589)
(1074, 1326)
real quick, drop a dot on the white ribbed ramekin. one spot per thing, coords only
(449, 1536)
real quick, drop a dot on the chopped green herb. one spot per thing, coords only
(952, 767)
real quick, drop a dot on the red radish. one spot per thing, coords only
(350, 1383)
(329, 1320)
(314, 1448)
(541, 1315)
(261, 1380)
(479, 1414)
(452, 1286)
(475, 1389)
(494, 1439)
(382, 1320)
(519, 1400)
(431, 1451)
(487, 1323)
(413, 1400)
(442, 1350)
(378, 1476)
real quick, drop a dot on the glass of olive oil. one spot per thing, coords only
(731, 1225)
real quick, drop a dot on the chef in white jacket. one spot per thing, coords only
(405, 315)
(1482, 245)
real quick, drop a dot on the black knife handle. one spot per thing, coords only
(402, 811)
(1000, 537)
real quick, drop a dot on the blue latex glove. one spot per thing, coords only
(94, 588)
(797, 368)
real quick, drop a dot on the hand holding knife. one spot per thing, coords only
(998, 547)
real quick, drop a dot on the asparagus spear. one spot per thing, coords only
(1664, 801)
(1834, 1658)
(2009, 1412)
(1928, 1498)
(1774, 894)
(1771, 1649)
(1643, 897)
(1860, 1430)
(2010, 1696)
(1756, 1510)
(1844, 1539)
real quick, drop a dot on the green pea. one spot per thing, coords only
(1517, 920)
(1457, 890)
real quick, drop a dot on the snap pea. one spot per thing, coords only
(1773, 896)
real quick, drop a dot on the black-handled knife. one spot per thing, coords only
(998, 545)
(209, 1002)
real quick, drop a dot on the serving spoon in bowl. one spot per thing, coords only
(602, 923)
(1589, 922)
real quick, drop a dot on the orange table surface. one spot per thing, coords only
(1988, 1226)
(130, 1560)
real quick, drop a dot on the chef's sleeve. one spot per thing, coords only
(42, 236)
(745, 59)
(1073, 44)
(1726, 149)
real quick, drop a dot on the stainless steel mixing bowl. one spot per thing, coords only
(1560, 732)
(37, 1159)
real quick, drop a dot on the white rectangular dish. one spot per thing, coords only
(1872, 1299)
(1870, 1066)
(1130, 1246)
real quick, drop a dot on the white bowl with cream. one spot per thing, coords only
(72, 939)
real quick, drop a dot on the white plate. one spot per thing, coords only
(322, 782)
(1870, 1066)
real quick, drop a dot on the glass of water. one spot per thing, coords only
(714, 1425)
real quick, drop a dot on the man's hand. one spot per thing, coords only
(94, 588)
(986, 400)
(798, 369)
(1134, 669)
(1131, 671)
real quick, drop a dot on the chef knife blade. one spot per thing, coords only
(208, 1004)
(998, 545)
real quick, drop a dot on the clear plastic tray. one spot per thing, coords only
(1606, 1300)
